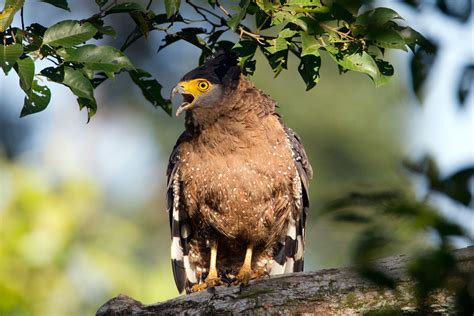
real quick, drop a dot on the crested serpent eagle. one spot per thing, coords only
(237, 182)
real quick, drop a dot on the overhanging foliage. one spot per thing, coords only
(353, 33)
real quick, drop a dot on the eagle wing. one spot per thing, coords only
(181, 228)
(289, 253)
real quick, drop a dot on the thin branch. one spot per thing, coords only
(12, 34)
(243, 30)
(198, 9)
(221, 7)
(335, 30)
(149, 4)
(131, 38)
(52, 60)
(256, 37)
(22, 19)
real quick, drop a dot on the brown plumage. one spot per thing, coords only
(237, 183)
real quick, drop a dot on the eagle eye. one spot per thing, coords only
(203, 85)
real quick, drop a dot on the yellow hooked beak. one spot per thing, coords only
(188, 97)
(190, 90)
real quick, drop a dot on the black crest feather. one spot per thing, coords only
(222, 69)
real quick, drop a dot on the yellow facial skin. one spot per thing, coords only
(194, 88)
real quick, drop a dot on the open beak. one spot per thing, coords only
(188, 98)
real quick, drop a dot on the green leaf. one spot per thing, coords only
(163, 18)
(386, 71)
(143, 20)
(78, 83)
(389, 38)
(235, 19)
(35, 33)
(105, 30)
(172, 7)
(55, 74)
(190, 35)
(277, 61)
(457, 186)
(246, 50)
(267, 5)
(377, 17)
(310, 45)
(8, 13)
(412, 38)
(8, 56)
(421, 66)
(277, 44)
(68, 33)
(26, 70)
(309, 70)
(262, 20)
(281, 17)
(125, 8)
(307, 3)
(100, 58)
(359, 62)
(36, 100)
(90, 105)
(62, 4)
(151, 89)
(287, 33)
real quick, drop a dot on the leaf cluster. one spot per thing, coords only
(425, 57)
(355, 41)
(76, 64)
(354, 37)
(431, 268)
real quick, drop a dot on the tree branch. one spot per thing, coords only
(331, 291)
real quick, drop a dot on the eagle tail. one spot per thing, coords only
(290, 250)
(183, 271)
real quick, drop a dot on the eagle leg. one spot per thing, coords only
(245, 272)
(212, 279)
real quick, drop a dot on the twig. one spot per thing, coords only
(221, 7)
(335, 30)
(149, 4)
(12, 34)
(256, 37)
(198, 9)
(129, 40)
(22, 19)
(52, 60)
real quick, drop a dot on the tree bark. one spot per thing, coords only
(331, 291)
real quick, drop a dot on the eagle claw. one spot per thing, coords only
(210, 282)
(244, 276)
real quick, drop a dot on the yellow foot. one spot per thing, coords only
(198, 287)
(259, 273)
(211, 281)
(244, 276)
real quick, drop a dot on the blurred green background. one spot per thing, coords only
(82, 208)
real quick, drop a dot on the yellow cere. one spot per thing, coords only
(196, 87)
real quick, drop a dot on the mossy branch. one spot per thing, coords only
(325, 292)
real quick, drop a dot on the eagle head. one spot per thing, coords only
(206, 85)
